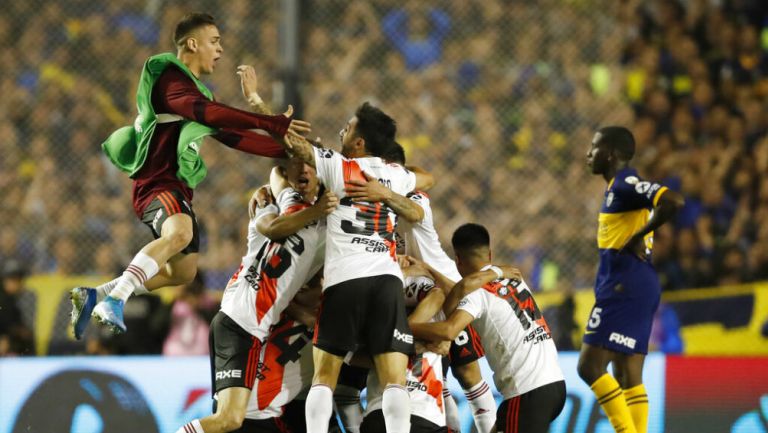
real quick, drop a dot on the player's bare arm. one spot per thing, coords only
(667, 207)
(441, 331)
(424, 179)
(298, 146)
(474, 281)
(282, 226)
(372, 191)
(428, 307)
(249, 85)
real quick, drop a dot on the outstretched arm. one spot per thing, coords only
(372, 191)
(175, 93)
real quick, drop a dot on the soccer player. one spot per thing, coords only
(424, 378)
(627, 290)
(418, 238)
(363, 285)
(284, 252)
(161, 154)
(520, 350)
(422, 242)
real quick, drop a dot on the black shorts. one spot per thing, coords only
(164, 205)
(234, 354)
(533, 411)
(374, 423)
(364, 313)
(353, 377)
(466, 348)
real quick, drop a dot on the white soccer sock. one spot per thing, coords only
(191, 427)
(104, 289)
(483, 406)
(452, 420)
(396, 406)
(141, 269)
(318, 408)
(347, 401)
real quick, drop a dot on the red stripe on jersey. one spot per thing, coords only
(433, 384)
(352, 171)
(235, 275)
(267, 294)
(295, 208)
(271, 384)
(252, 363)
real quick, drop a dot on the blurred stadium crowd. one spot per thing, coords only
(499, 99)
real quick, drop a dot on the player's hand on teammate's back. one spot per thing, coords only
(370, 190)
(636, 246)
(260, 198)
(326, 204)
(511, 272)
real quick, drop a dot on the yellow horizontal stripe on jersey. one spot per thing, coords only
(658, 194)
(615, 229)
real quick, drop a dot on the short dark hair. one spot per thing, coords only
(190, 23)
(619, 139)
(395, 154)
(376, 128)
(470, 236)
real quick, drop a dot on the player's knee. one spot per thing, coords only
(231, 420)
(467, 376)
(588, 371)
(179, 239)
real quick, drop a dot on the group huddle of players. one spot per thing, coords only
(345, 286)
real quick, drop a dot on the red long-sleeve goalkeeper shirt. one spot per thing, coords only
(175, 93)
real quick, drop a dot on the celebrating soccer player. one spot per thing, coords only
(161, 154)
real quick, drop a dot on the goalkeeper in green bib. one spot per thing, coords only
(160, 152)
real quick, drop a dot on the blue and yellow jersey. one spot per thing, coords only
(627, 207)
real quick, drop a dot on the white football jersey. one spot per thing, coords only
(422, 242)
(517, 341)
(272, 272)
(424, 382)
(285, 369)
(360, 241)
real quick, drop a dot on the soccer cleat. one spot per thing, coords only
(83, 300)
(110, 312)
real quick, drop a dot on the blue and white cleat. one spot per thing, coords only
(83, 300)
(110, 312)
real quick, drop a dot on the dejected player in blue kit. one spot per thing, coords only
(627, 290)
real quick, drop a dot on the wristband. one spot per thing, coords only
(268, 209)
(497, 270)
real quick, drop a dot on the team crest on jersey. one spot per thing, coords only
(609, 200)
(326, 153)
(642, 187)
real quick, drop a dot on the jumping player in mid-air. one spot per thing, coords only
(627, 290)
(161, 154)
